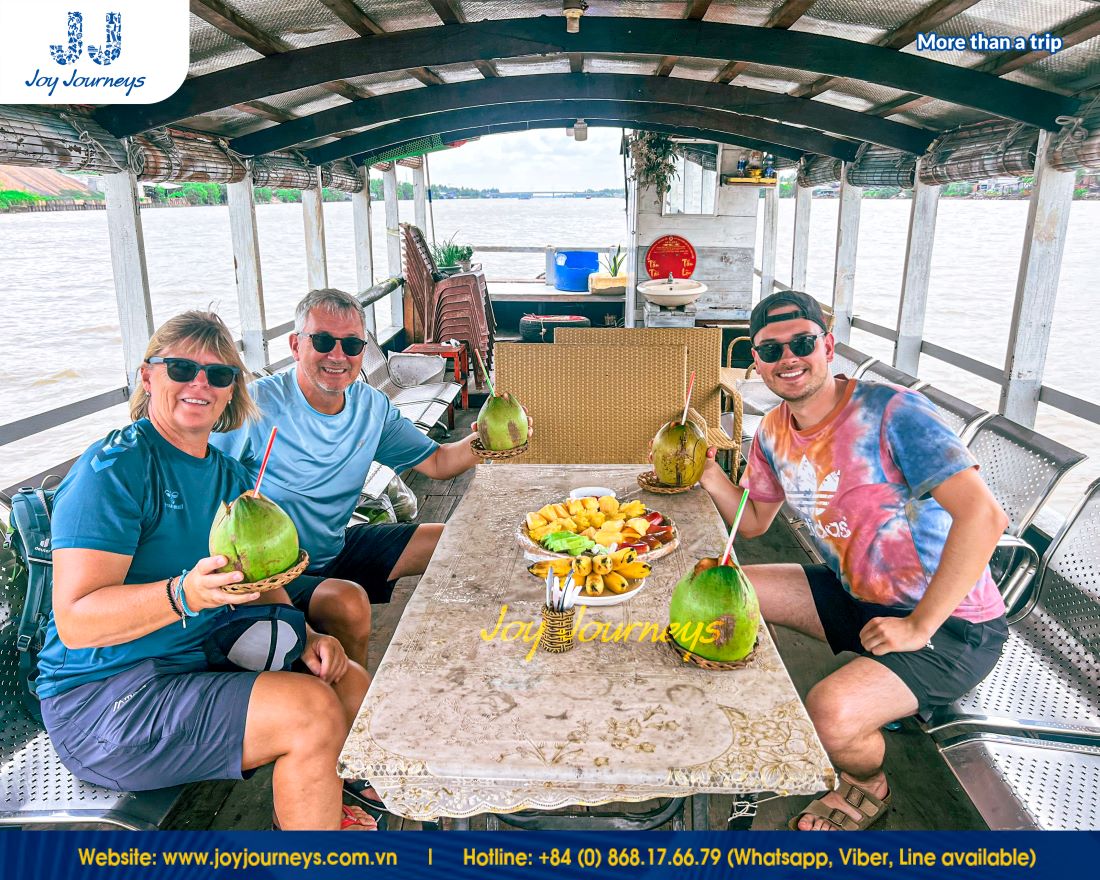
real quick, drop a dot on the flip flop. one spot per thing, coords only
(869, 807)
(349, 819)
(363, 793)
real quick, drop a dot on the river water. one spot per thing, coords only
(60, 326)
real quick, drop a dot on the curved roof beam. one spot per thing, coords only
(514, 38)
(721, 137)
(602, 86)
(384, 136)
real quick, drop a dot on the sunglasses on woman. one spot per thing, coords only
(185, 370)
(325, 342)
(800, 346)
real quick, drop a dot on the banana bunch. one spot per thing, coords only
(607, 571)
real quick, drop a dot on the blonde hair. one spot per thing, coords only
(203, 331)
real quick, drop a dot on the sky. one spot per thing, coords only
(531, 160)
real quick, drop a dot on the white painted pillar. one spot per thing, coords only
(393, 241)
(916, 273)
(246, 264)
(420, 199)
(771, 235)
(363, 240)
(313, 217)
(1036, 287)
(135, 309)
(800, 250)
(847, 241)
(630, 301)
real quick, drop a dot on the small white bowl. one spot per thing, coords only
(596, 491)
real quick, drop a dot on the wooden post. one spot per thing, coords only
(800, 249)
(916, 273)
(768, 246)
(393, 241)
(1036, 287)
(246, 263)
(420, 199)
(314, 218)
(135, 310)
(364, 240)
(847, 241)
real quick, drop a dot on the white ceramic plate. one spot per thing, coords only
(609, 598)
(535, 552)
(594, 491)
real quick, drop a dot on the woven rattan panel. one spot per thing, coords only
(591, 405)
(704, 345)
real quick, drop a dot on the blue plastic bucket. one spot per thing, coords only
(572, 268)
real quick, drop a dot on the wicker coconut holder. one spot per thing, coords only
(275, 581)
(702, 662)
(648, 481)
(494, 455)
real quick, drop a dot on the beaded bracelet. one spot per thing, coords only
(181, 598)
(171, 598)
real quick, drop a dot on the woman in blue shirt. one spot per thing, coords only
(128, 695)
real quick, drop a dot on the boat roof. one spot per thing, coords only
(337, 78)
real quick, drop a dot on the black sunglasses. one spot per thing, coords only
(325, 342)
(800, 346)
(184, 370)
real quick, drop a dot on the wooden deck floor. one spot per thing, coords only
(926, 795)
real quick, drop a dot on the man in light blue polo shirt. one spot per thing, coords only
(331, 428)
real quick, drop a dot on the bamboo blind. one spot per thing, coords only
(882, 166)
(980, 151)
(818, 170)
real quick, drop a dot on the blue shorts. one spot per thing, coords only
(152, 726)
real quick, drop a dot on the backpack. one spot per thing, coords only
(30, 540)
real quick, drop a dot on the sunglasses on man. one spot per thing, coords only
(325, 342)
(185, 370)
(800, 346)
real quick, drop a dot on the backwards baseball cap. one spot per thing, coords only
(805, 306)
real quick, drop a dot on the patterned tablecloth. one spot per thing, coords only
(456, 723)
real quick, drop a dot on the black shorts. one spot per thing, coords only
(959, 655)
(369, 555)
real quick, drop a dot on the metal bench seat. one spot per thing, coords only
(1028, 784)
(848, 361)
(1048, 677)
(877, 371)
(963, 418)
(37, 789)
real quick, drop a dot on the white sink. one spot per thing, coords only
(677, 292)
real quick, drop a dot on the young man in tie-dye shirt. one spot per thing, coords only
(905, 527)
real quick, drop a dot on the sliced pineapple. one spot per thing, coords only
(609, 504)
(535, 521)
(639, 523)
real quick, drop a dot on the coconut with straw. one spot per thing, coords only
(502, 421)
(680, 449)
(253, 533)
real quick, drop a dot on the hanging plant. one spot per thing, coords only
(654, 157)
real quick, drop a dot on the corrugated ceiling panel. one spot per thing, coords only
(779, 79)
(212, 50)
(532, 65)
(750, 12)
(848, 102)
(400, 15)
(227, 122)
(636, 8)
(453, 73)
(940, 115)
(299, 23)
(1012, 18)
(384, 83)
(303, 102)
(871, 92)
(704, 69)
(850, 19)
(645, 65)
(477, 10)
(1070, 68)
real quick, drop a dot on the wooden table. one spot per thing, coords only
(456, 723)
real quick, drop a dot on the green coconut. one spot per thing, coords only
(502, 423)
(679, 454)
(714, 612)
(256, 536)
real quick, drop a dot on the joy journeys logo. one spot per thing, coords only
(94, 52)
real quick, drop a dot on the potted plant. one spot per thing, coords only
(451, 257)
(613, 279)
(654, 157)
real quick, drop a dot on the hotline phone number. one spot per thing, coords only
(633, 857)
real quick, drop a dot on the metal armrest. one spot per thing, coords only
(410, 370)
(1018, 575)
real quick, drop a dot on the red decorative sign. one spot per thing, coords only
(670, 254)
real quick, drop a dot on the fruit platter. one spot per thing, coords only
(592, 526)
(606, 578)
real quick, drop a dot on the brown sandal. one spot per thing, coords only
(870, 808)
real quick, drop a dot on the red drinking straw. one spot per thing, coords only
(687, 402)
(263, 466)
